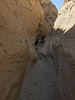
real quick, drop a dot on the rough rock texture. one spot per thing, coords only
(66, 17)
(63, 50)
(50, 13)
(19, 25)
(41, 82)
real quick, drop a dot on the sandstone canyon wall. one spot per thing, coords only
(50, 13)
(62, 46)
(20, 22)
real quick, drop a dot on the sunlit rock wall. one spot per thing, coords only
(19, 26)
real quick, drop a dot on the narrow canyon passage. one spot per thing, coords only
(42, 70)
(40, 84)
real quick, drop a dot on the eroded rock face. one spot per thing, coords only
(19, 25)
(50, 13)
(66, 17)
(63, 50)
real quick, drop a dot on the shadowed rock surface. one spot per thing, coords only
(41, 82)
(62, 48)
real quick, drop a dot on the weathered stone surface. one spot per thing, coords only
(63, 50)
(66, 16)
(19, 25)
(50, 13)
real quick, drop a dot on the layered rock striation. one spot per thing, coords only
(20, 22)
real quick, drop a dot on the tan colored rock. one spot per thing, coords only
(63, 51)
(19, 22)
(65, 19)
(50, 13)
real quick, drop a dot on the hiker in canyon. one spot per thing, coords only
(36, 44)
(39, 41)
(42, 38)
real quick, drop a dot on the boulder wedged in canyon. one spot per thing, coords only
(19, 25)
(62, 47)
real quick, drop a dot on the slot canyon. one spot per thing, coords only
(47, 73)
